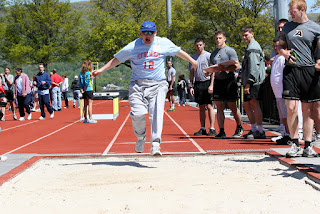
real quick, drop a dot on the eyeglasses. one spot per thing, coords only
(148, 32)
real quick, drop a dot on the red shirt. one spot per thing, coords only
(56, 78)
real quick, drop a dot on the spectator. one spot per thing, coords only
(7, 83)
(182, 90)
(252, 77)
(35, 95)
(75, 87)
(203, 88)
(22, 92)
(86, 89)
(43, 83)
(64, 89)
(171, 77)
(55, 89)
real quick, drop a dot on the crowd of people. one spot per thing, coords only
(294, 79)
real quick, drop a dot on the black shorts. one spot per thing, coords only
(256, 92)
(226, 90)
(174, 89)
(201, 92)
(9, 95)
(301, 83)
(88, 95)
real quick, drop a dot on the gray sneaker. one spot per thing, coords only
(155, 148)
(294, 151)
(309, 152)
(238, 132)
(250, 133)
(140, 144)
(259, 135)
(91, 121)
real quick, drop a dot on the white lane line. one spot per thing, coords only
(40, 138)
(185, 141)
(145, 153)
(185, 133)
(115, 137)
(3, 130)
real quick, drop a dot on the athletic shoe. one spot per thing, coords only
(179, 105)
(85, 120)
(42, 118)
(200, 132)
(15, 117)
(259, 135)
(221, 135)
(81, 118)
(52, 115)
(59, 109)
(309, 152)
(2, 119)
(22, 119)
(140, 144)
(184, 104)
(238, 132)
(171, 109)
(29, 116)
(284, 140)
(294, 151)
(91, 121)
(245, 136)
(3, 158)
(74, 106)
(274, 139)
(155, 148)
(212, 132)
(66, 107)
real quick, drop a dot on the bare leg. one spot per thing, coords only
(212, 115)
(220, 113)
(292, 118)
(235, 112)
(307, 109)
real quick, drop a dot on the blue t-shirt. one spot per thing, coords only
(148, 61)
(85, 81)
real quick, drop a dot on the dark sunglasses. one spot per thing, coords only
(148, 32)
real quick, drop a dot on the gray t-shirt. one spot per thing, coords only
(171, 73)
(5, 83)
(203, 62)
(222, 55)
(302, 38)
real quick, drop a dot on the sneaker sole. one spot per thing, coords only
(157, 153)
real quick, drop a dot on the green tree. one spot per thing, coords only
(41, 31)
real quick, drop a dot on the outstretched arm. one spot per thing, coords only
(111, 64)
(185, 56)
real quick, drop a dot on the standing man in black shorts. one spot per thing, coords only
(225, 88)
(7, 83)
(171, 77)
(299, 44)
(252, 77)
(202, 88)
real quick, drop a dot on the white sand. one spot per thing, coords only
(193, 184)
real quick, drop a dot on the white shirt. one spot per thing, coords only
(65, 85)
(277, 75)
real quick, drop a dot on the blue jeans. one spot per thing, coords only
(182, 97)
(76, 96)
(44, 100)
(56, 98)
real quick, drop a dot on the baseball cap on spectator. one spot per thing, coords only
(148, 26)
(76, 77)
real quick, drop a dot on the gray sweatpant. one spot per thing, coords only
(147, 96)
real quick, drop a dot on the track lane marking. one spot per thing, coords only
(115, 137)
(185, 133)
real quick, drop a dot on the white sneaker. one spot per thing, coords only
(294, 151)
(3, 118)
(91, 121)
(140, 144)
(274, 139)
(52, 115)
(3, 158)
(33, 109)
(30, 116)
(42, 118)
(309, 152)
(22, 119)
(15, 117)
(155, 148)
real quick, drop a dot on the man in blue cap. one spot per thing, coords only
(148, 85)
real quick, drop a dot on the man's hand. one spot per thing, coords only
(43, 82)
(246, 89)
(192, 91)
(210, 89)
(194, 66)
(96, 72)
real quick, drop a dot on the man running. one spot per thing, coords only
(148, 85)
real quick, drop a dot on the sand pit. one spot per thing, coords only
(193, 184)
